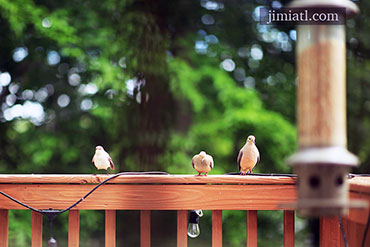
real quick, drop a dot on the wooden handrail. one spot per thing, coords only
(171, 192)
(150, 192)
(142, 179)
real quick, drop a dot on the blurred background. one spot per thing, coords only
(155, 82)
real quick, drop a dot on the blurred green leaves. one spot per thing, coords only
(223, 115)
(54, 25)
(154, 82)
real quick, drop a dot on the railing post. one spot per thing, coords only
(36, 229)
(329, 231)
(182, 222)
(353, 232)
(110, 228)
(217, 228)
(4, 227)
(252, 228)
(288, 228)
(145, 228)
(73, 228)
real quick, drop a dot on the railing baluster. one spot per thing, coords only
(73, 228)
(217, 228)
(353, 233)
(110, 228)
(329, 231)
(251, 228)
(36, 229)
(145, 228)
(182, 231)
(288, 228)
(4, 228)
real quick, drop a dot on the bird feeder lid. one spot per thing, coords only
(351, 8)
(324, 156)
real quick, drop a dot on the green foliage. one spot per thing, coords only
(20, 230)
(223, 115)
(148, 81)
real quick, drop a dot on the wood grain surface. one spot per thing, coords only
(217, 228)
(182, 224)
(142, 179)
(252, 228)
(289, 228)
(4, 227)
(110, 228)
(36, 229)
(145, 236)
(150, 197)
(329, 231)
(73, 228)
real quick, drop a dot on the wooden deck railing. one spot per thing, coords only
(170, 192)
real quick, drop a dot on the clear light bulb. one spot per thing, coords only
(193, 227)
(193, 230)
(52, 242)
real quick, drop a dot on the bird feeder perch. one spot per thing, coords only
(323, 161)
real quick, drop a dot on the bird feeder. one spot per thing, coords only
(323, 161)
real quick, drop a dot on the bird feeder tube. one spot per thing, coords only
(321, 86)
(323, 160)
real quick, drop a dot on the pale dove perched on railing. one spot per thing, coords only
(203, 163)
(248, 156)
(102, 160)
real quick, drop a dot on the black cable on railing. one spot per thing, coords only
(263, 174)
(343, 232)
(52, 213)
(20, 203)
(50, 210)
(110, 178)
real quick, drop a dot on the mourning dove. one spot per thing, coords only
(102, 160)
(202, 163)
(248, 156)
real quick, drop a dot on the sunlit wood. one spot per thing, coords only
(150, 197)
(181, 193)
(217, 228)
(36, 229)
(110, 228)
(4, 227)
(145, 228)
(251, 228)
(329, 231)
(73, 228)
(143, 179)
(182, 224)
(288, 228)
